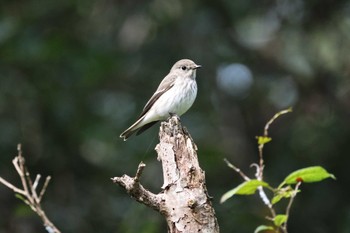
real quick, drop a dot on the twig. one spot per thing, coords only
(261, 166)
(266, 201)
(47, 180)
(262, 193)
(136, 190)
(36, 182)
(284, 227)
(274, 118)
(139, 171)
(29, 193)
(11, 186)
(266, 132)
(260, 170)
(239, 171)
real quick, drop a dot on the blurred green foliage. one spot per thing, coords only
(74, 74)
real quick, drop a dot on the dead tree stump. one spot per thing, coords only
(184, 200)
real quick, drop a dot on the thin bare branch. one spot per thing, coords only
(266, 133)
(36, 181)
(139, 171)
(29, 193)
(16, 165)
(267, 126)
(34, 186)
(296, 189)
(42, 192)
(260, 168)
(239, 171)
(18, 162)
(11, 186)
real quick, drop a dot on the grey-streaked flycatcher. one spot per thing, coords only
(175, 95)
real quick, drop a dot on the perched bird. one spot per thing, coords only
(175, 95)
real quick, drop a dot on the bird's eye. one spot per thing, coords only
(183, 67)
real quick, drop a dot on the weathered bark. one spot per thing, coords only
(184, 201)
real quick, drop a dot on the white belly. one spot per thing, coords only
(176, 100)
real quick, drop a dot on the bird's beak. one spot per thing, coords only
(197, 67)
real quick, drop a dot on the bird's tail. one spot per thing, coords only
(137, 126)
(132, 129)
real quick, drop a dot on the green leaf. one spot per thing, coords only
(263, 228)
(246, 188)
(276, 199)
(283, 193)
(263, 139)
(308, 175)
(280, 219)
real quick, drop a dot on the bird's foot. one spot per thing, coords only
(171, 114)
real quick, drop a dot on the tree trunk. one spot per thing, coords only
(184, 201)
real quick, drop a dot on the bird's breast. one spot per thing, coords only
(177, 99)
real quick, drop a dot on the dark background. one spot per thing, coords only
(75, 74)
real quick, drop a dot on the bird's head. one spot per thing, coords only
(186, 68)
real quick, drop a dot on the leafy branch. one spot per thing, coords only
(28, 193)
(288, 189)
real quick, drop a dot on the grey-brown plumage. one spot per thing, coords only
(175, 94)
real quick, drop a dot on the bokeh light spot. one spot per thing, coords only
(234, 79)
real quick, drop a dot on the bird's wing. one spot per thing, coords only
(165, 85)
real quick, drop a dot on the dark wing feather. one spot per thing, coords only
(165, 85)
(145, 127)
